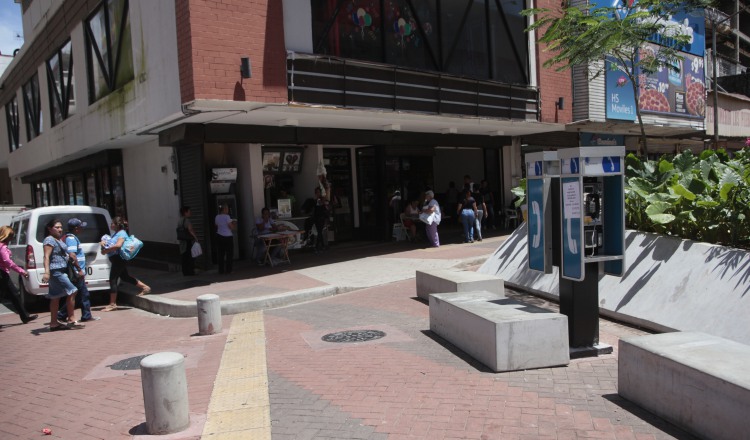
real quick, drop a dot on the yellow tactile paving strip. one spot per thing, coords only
(239, 407)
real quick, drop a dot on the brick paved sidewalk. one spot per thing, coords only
(63, 380)
(411, 384)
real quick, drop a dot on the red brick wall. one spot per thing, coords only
(212, 36)
(552, 84)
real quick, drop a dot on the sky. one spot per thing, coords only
(10, 27)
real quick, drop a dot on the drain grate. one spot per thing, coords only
(353, 336)
(131, 363)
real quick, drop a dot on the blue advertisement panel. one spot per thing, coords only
(535, 230)
(679, 90)
(692, 24)
(620, 98)
(572, 228)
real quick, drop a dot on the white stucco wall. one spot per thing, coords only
(153, 207)
(115, 120)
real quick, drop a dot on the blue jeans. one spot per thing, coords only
(468, 219)
(83, 299)
(478, 224)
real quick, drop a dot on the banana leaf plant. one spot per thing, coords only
(704, 197)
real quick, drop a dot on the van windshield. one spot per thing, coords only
(96, 226)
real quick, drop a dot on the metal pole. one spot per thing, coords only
(715, 76)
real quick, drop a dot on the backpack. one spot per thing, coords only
(130, 248)
(182, 232)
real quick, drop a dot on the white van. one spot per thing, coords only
(28, 252)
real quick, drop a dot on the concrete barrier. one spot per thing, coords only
(447, 280)
(503, 334)
(696, 381)
(209, 314)
(165, 396)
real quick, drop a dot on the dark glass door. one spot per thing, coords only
(370, 195)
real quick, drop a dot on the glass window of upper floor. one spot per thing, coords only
(12, 124)
(60, 84)
(32, 107)
(109, 51)
(479, 39)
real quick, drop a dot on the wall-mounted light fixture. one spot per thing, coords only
(245, 67)
(560, 104)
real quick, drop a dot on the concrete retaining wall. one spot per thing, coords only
(669, 283)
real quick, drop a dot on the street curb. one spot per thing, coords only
(188, 309)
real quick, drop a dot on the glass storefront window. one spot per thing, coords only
(482, 39)
(410, 35)
(354, 30)
(93, 200)
(75, 190)
(118, 191)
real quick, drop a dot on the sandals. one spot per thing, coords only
(60, 327)
(71, 325)
(110, 308)
(146, 290)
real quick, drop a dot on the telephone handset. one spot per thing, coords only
(592, 204)
(537, 213)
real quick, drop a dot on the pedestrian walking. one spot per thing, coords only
(6, 283)
(225, 226)
(77, 256)
(119, 268)
(467, 209)
(432, 209)
(186, 236)
(56, 275)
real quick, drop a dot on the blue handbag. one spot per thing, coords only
(130, 247)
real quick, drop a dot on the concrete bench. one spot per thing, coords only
(696, 381)
(503, 334)
(446, 280)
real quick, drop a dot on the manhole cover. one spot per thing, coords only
(132, 363)
(353, 336)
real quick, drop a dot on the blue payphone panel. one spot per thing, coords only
(540, 168)
(592, 210)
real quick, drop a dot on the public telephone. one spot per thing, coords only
(592, 216)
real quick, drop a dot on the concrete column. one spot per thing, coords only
(165, 396)
(209, 314)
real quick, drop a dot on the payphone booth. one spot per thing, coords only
(542, 171)
(592, 235)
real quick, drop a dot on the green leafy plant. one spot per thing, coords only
(703, 197)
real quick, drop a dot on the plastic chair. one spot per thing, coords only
(398, 232)
(407, 231)
(511, 216)
(254, 244)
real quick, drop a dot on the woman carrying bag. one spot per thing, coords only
(187, 237)
(7, 287)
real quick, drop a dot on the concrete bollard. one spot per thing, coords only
(165, 396)
(209, 314)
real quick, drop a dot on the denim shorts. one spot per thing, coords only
(59, 284)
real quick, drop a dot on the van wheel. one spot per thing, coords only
(30, 302)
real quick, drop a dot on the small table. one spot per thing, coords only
(278, 240)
